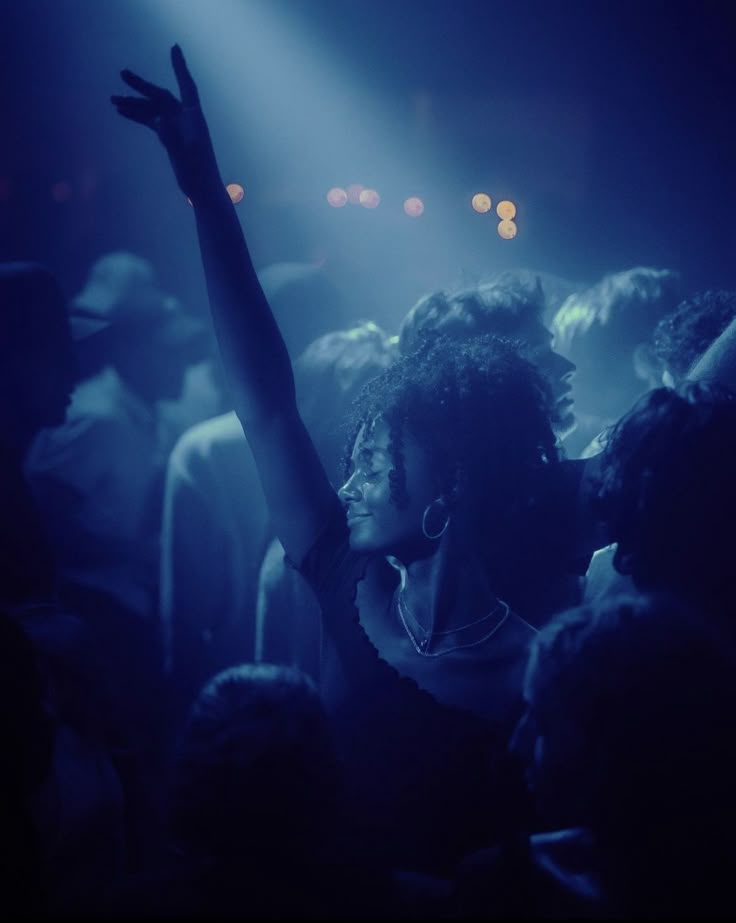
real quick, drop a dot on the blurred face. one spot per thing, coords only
(375, 522)
(558, 371)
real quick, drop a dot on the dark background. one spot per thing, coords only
(611, 125)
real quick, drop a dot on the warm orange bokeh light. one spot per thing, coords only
(337, 197)
(481, 202)
(236, 192)
(506, 210)
(507, 229)
(369, 198)
(413, 207)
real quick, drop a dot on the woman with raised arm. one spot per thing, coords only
(451, 447)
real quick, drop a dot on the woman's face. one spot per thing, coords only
(376, 523)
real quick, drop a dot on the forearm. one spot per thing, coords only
(718, 362)
(256, 362)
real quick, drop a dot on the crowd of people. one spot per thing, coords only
(334, 622)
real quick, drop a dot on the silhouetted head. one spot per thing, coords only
(606, 331)
(683, 336)
(256, 769)
(627, 732)
(37, 367)
(511, 311)
(668, 493)
(463, 427)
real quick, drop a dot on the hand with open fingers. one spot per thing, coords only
(179, 124)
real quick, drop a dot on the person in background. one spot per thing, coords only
(628, 747)
(510, 310)
(97, 480)
(682, 337)
(606, 331)
(215, 523)
(96, 477)
(254, 816)
(556, 289)
(513, 310)
(62, 800)
(328, 376)
(667, 495)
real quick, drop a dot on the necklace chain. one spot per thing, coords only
(421, 646)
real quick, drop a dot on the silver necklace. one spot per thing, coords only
(421, 646)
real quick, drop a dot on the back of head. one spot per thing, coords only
(667, 490)
(634, 701)
(256, 765)
(606, 329)
(329, 375)
(503, 310)
(683, 336)
(37, 367)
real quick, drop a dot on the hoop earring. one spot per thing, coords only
(433, 536)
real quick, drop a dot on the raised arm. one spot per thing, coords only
(718, 362)
(256, 362)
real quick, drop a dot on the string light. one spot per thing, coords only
(369, 198)
(236, 192)
(337, 197)
(507, 229)
(413, 206)
(506, 210)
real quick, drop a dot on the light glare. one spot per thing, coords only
(507, 229)
(236, 192)
(481, 202)
(506, 210)
(337, 197)
(369, 198)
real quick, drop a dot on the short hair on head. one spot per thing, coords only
(256, 760)
(481, 413)
(682, 336)
(667, 488)
(504, 310)
(618, 313)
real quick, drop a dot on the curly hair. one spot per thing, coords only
(668, 493)
(482, 415)
(682, 337)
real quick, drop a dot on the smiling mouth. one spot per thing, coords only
(356, 516)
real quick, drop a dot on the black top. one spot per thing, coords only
(425, 777)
